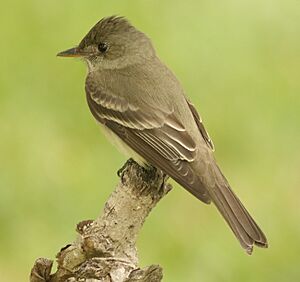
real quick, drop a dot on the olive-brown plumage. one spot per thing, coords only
(139, 101)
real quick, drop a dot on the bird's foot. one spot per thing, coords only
(154, 179)
(121, 171)
(159, 179)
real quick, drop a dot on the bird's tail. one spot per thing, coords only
(240, 221)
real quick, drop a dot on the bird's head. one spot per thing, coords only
(112, 43)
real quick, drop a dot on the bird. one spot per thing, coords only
(142, 108)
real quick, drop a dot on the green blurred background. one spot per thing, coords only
(239, 61)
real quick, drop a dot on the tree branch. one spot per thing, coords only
(105, 249)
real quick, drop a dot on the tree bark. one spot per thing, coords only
(105, 249)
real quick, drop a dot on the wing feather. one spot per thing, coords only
(154, 134)
(200, 125)
(180, 170)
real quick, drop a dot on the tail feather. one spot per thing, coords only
(239, 220)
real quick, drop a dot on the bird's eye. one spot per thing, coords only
(102, 47)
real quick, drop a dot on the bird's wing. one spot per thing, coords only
(200, 125)
(155, 134)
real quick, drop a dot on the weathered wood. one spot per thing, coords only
(105, 249)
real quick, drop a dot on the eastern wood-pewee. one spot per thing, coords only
(141, 104)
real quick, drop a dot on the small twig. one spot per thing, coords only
(105, 249)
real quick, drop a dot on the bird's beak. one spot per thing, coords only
(73, 52)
